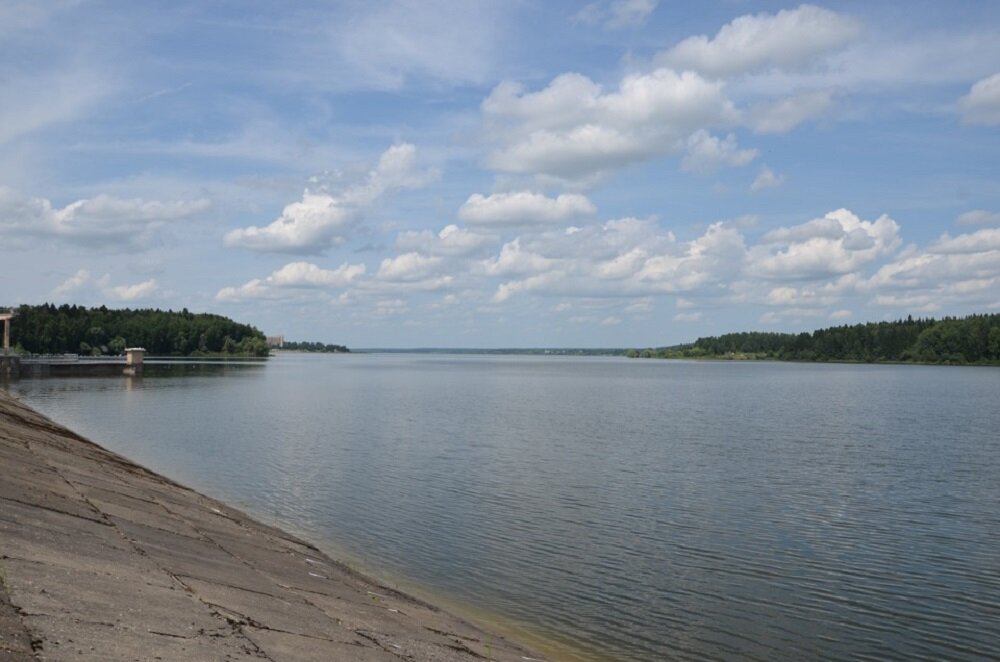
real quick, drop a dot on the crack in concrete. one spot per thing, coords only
(244, 640)
(372, 637)
(23, 636)
(50, 509)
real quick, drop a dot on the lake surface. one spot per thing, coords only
(631, 509)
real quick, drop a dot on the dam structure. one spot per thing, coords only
(104, 560)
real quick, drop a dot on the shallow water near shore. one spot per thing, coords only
(632, 510)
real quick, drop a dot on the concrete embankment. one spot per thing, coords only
(101, 559)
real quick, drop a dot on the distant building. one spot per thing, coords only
(276, 342)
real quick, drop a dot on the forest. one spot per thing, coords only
(954, 340)
(50, 329)
(306, 346)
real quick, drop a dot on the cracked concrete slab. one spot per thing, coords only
(101, 559)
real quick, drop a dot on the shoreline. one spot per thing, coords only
(102, 559)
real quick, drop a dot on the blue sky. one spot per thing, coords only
(403, 173)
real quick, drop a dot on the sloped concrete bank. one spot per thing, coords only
(101, 559)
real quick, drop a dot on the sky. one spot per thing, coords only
(518, 173)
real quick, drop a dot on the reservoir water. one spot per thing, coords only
(625, 509)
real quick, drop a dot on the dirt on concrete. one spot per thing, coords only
(103, 560)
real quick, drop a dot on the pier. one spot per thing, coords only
(74, 365)
(13, 365)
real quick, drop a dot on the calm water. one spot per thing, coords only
(638, 509)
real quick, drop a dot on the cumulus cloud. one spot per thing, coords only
(102, 222)
(979, 217)
(451, 241)
(572, 130)
(312, 225)
(514, 260)
(324, 218)
(137, 291)
(987, 239)
(802, 296)
(790, 39)
(835, 244)
(710, 261)
(72, 284)
(306, 274)
(626, 257)
(961, 269)
(409, 267)
(982, 104)
(83, 284)
(766, 179)
(616, 14)
(293, 276)
(783, 115)
(707, 153)
(524, 208)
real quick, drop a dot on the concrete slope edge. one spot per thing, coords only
(102, 559)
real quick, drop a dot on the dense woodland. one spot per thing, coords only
(967, 340)
(50, 329)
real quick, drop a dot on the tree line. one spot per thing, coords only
(313, 347)
(955, 340)
(50, 329)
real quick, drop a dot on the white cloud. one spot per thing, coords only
(306, 274)
(962, 269)
(102, 222)
(133, 292)
(709, 261)
(574, 131)
(640, 307)
(982, 104)
(293, 276)
(616, 14)
(766, 179)
(72, 284)
(841, 314)
(626, 257)
(409, 267)
(789, 315)
(524, 208)
(316, 223)
(513, 260)
(987, 239)
(706, 153)
(540, 282)
(451, 241)
(979, 217)
(802, 296)
(323, 218)
(783, 115)
(790, 39)
(836, 244)
(83, 284)
(688, 317)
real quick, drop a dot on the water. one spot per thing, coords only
(631, 510)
